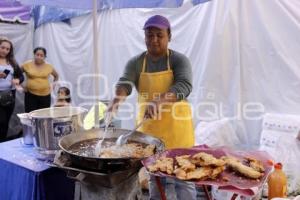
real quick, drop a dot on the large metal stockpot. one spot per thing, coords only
(50, 124)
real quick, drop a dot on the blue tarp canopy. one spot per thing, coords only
(106, 4)
(13, 11)
(44, 11)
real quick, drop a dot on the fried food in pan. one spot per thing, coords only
(133, 150)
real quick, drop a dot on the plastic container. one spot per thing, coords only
(277, 183)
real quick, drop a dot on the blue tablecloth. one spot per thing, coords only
(24, 177)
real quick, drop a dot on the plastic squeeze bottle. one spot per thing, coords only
(277, 183)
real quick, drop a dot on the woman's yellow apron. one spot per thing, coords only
(174, 125)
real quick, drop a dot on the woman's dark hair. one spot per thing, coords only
(42, 49)
(67, 92)
(10, 56)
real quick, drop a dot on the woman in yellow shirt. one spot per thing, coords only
(38, 89)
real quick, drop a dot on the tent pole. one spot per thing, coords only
(96, 64)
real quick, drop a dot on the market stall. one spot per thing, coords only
(244, 63)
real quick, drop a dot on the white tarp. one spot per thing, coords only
(244, 56)
(279, 139)
(22, 38)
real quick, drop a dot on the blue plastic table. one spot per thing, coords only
(24, 177)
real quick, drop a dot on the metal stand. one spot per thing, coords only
(160, 188)
(234, 196)
(206, 192)
(127, 190)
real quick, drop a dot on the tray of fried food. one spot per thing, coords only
(201, 166)
(221, 166)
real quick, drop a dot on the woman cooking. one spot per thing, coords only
(38, 87)
(163, 79)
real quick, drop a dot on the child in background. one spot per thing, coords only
(63, 97)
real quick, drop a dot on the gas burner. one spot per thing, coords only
(104, 178)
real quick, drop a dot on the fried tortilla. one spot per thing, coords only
(185, 163)
(180, 174)
(216, 172)
(204, 159)
(163, 164)
(200, 173)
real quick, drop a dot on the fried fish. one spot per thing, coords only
(242, 169)
(255, 164)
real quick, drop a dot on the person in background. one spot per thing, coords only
(163, 78)
(63, 97)
(38, 89)
(10, 78)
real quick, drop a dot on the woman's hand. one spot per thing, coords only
(16, 82)
(112, 109)
(54, 86)
(153, 109)
(113, 106)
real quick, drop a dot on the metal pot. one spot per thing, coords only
(25, 119)
(50, 124)
(106, 165)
